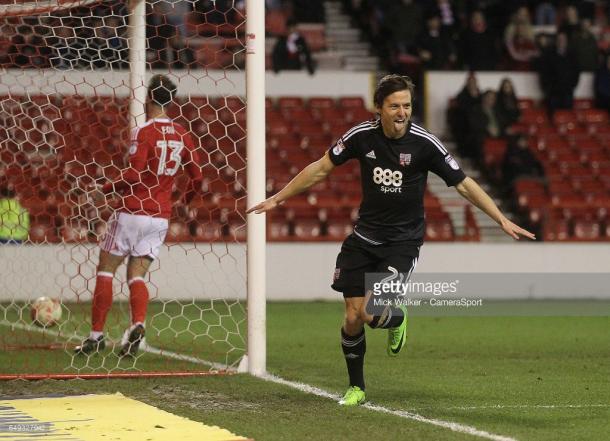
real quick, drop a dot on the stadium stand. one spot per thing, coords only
(88, 135)
(571, 201)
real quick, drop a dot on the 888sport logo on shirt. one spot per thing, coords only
(389, 180)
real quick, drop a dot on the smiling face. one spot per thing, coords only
(395, 113)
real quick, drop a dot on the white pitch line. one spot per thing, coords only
(309, 389)
(143, 346)
(455, 427)
(524, 406)
(306, 388)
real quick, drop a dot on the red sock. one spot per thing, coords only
(102, 300)
(138, 299)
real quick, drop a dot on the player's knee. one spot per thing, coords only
(352, 317)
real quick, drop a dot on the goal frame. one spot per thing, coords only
(254, 360)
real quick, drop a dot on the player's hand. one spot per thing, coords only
(515, 231)
(266, 205)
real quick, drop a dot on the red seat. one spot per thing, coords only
(441, 230)
(278, 230)
(313, 33)
(351, 102)
(592, 116)
(321, 103)
(534, 116)
(586, 230)
(564, 117)
(357, 115)
(525, 103)
(307, 229)
(493, 151)
(278, 127)
(571, 128)
(275, 22)
(556, 230)
(583, 103)
(208, 232)
(178, 232)
(338, 230)
(290, 102)
(529, 186)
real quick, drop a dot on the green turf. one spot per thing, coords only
(496, 373)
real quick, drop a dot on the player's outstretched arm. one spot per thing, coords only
(472, 192)
(308, 177)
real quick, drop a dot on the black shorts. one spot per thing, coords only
(358, 257)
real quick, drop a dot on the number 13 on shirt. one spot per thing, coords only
(175, 148)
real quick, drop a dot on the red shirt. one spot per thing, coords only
(158, 150)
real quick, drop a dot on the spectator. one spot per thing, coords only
(571, 22)
(14, 219)
(159, 33)
(28, 49)
(601, 85)
(584, 46)
(558, 74)
(483, 122)
(308, 11)
(468, 98)
(404, 19)
(519, 40)
(435, 47)
(507, 105)
(63, 56)
(519, 162)
(291, 51)
(478, 44)
(109, 48)
(445, 10)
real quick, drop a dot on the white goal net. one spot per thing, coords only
(67, 100)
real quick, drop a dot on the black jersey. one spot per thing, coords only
(394, 174)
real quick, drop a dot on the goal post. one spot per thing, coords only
(67, 104)
(255, 89)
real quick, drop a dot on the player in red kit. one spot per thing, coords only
(138, 227)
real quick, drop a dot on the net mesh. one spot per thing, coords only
(64, 124)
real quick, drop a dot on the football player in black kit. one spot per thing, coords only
(395, 157)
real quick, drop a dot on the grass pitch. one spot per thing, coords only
(524, 377)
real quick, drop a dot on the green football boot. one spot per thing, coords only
(397, 337)
(353, 397)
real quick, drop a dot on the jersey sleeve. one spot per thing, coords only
(444, 165)
(343, 149)
(138, 162)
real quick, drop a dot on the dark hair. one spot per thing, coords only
(161, 90)
(390, 84)
(7, 191)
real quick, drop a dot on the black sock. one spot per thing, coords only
(392, 318)
(354, 348)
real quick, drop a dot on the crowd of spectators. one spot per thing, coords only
(476, 35)
(180, 33)
(476, 115)
(407, 35)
